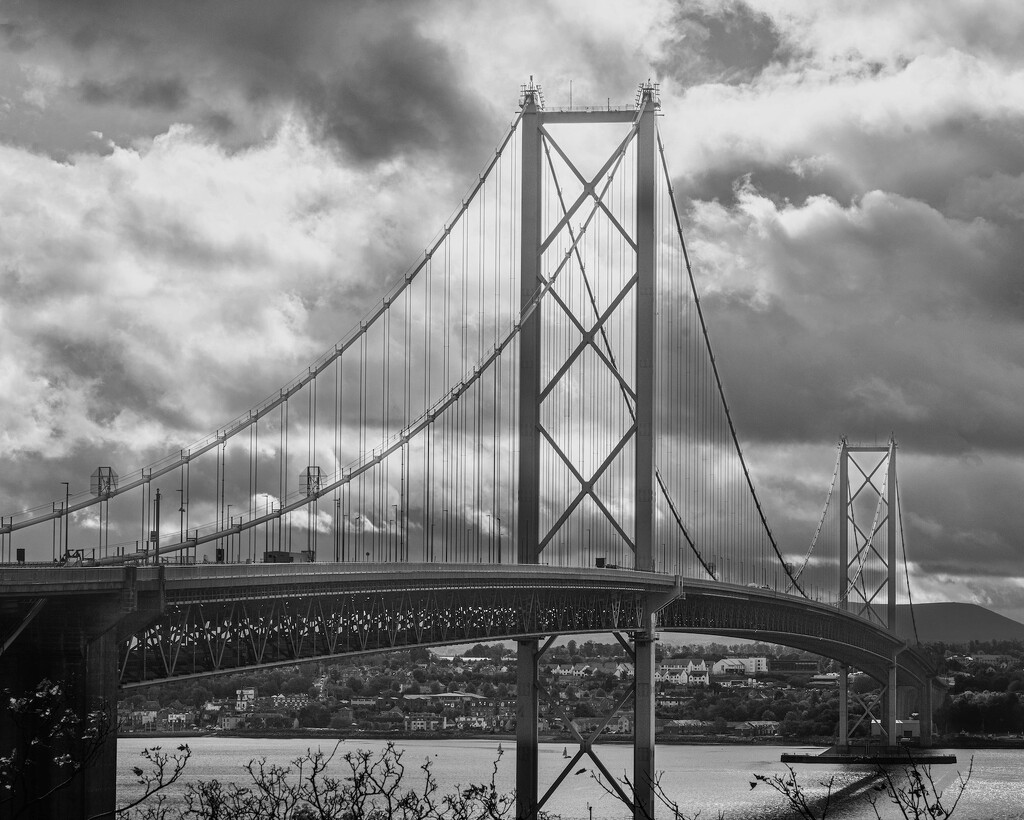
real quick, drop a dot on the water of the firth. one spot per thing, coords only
(712, 779)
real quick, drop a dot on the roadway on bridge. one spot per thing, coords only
(387, 606)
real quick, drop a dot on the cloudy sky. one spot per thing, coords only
(196, 199)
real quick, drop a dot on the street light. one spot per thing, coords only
(445, 534)
(337, 533)
(499, 537)
(156, 529)
(230, 544)
(267, 539)
(398, 534)
(344, 552)
(67, 517)
(344, 529)
(181, 520)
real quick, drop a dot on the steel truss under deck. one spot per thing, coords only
(203, 638)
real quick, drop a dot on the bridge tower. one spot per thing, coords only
(868, 572)
(538, 265)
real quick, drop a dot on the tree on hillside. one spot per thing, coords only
(297, 685)
(314, 716)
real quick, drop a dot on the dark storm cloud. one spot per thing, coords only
(219, 122)
(883, 315)
(163, 94)
(729, 44)
(399, 94)
(932, 162)
(15, 37)
(958, 509)
(816, 383)
(93, 361)
(365, 75)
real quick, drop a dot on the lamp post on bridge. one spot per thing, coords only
(337, 529)
(344, 550)
(67, 516)
(181, 520)
(398, 533)
(490, 538)
(344, 531)
(155, 535)
(267, 530)
(227, 552)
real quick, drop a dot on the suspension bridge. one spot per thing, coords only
(526, 437)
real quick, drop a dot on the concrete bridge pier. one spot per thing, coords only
(844, 707)
(527, 739)
(643, 722)
(890, 699)
(918, 697)
(898, 700)
(925, 706)
(76, 651)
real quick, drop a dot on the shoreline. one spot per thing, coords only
(947, 742)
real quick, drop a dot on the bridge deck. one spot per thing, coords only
(457, 600)
(240, 579)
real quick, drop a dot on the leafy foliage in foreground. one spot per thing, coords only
(911, 789)
(364, 785)
(368, 786)
(46, 733)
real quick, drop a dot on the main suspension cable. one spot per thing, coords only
(717, 376)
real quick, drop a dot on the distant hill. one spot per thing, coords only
(957, 623)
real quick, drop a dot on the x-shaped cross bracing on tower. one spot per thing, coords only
(617, 288)
(868, 565)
